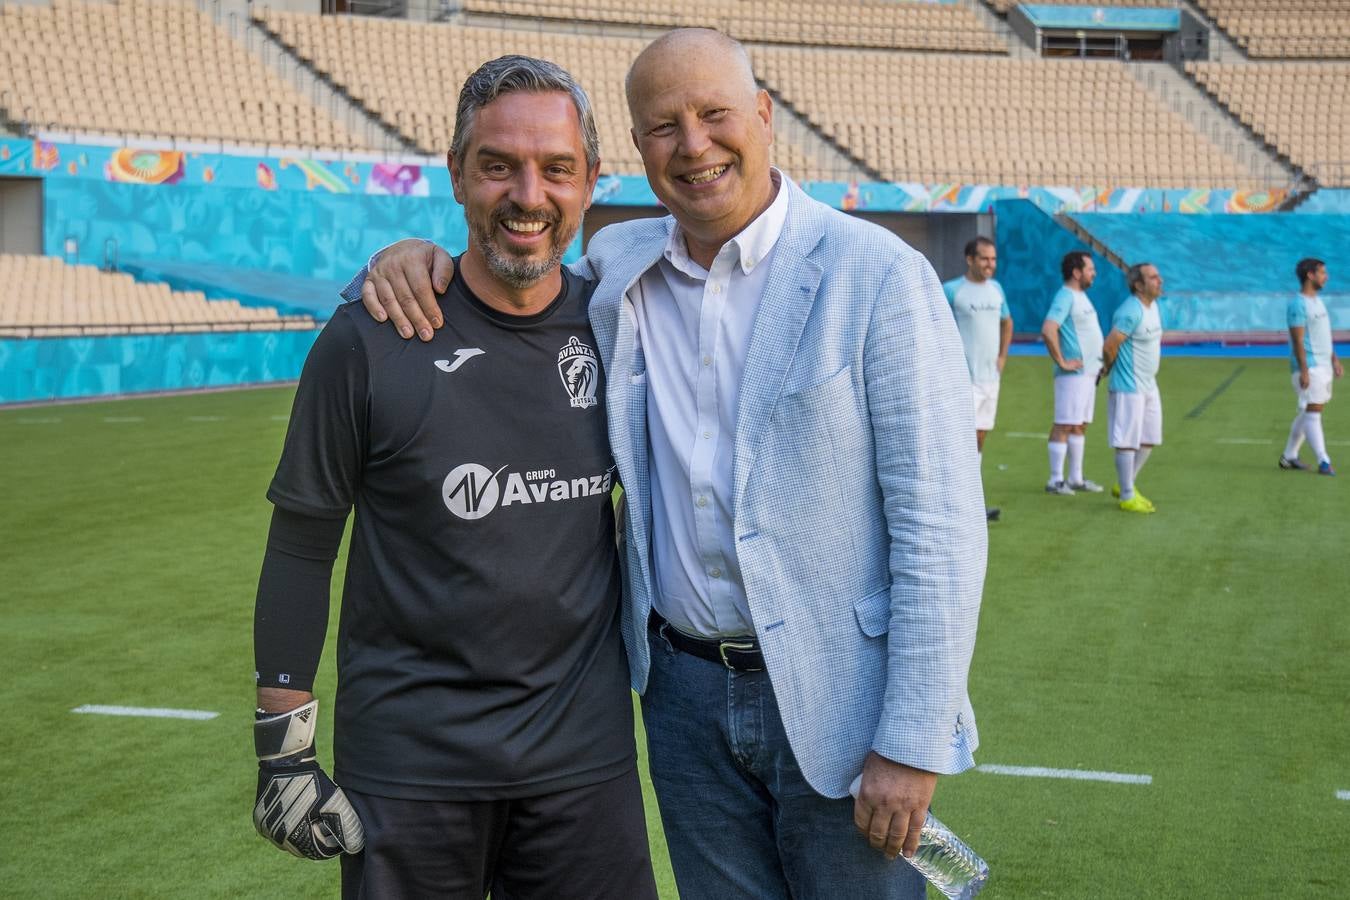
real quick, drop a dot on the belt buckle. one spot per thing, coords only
(724, 646)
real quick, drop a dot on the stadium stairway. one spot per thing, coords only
(1017, 48)
(791, 125)
(1067, 222)
(377, 134)
(1216, 122)
(1221, 46)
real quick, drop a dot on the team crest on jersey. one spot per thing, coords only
(579, 368)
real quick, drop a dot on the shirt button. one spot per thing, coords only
(717, 289)
(707, 434)
(715, 573)
(702, 501)
(707, 360)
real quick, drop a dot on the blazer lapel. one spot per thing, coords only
(793, 281)
(615, 326)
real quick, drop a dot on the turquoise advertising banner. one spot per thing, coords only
(69, 367)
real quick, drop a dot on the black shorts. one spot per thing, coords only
(588, 843)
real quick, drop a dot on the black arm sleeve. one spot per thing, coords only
(290, 617)
(313, 491)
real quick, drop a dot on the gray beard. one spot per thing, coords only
(520, 272)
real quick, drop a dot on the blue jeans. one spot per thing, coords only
(740, 820)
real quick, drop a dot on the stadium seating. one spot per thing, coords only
(154, 68)
(53, 299)
(973, 119)
(410, 74)
(849, 23)
(1285, 28)
(1297, 107)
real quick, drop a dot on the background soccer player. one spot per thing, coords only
(1131, 354)
(986, 326)
(1314, 364)
(1074, 338)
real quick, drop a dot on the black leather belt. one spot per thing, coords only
(737, 654)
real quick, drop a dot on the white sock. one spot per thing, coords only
(1076, 444)
(1312, 430)
(1057, 451)
(1126, 465)
(1140, 457)
(1295, 441)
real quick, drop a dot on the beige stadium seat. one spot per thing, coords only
(414, 83)
(1285, 29)
(110, 59)
(981, 119)
(849, 23)
(1299, 108)
(58, 299)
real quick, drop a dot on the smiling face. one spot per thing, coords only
(703, 129)
(525, 187)
(982, 264)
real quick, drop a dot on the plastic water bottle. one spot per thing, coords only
(948, 864)
(944, 859)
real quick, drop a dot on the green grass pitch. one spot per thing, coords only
(1207, 646)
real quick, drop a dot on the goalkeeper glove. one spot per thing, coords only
(299, 808)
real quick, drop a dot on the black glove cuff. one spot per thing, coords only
(287, 738)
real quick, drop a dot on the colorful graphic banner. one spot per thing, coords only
(272, 175)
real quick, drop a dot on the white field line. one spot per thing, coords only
(1025, 434)
(48, 421)
(145, 712)
(1245, 441)
(206, 418)
(1343, 795)
(118, 420)
(1076, 774)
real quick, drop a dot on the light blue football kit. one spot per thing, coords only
(979, 309)
(1134, 411)
(1136, 366)
(1310, 314)
(1080, 333)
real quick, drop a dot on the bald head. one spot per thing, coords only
(700, 47)
(703, 128)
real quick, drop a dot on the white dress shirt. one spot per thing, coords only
(694, 328)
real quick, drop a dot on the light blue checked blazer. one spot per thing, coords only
(859, 515)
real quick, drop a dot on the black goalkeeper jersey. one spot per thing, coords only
(478, 653)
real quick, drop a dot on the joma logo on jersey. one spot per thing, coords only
(580, 371)
(472, 491)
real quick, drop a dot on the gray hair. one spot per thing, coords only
(1134, 276)
(509, 74)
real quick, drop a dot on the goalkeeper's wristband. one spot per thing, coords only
(287, 737)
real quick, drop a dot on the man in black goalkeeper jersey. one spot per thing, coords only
(483, 731)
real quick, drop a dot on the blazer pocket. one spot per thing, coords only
(874, 613)
(820, 393)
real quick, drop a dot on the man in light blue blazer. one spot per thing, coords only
(804, 536)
